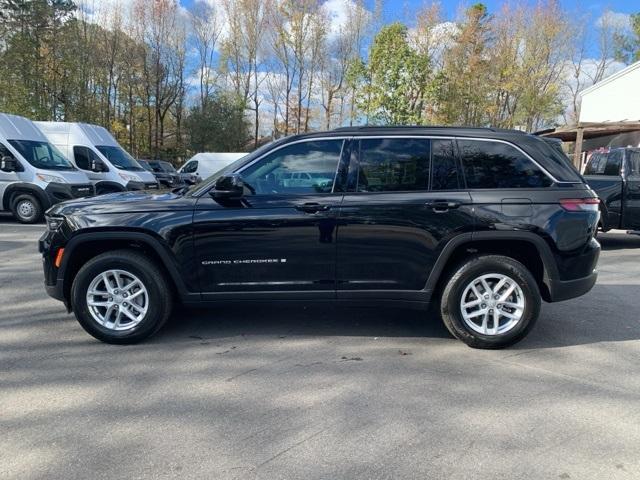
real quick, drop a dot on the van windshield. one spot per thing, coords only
(42, 155)
(119, 158)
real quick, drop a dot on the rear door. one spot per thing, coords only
(632, 194)
(280, 238)
(393, 224)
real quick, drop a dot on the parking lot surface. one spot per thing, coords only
(319, 392)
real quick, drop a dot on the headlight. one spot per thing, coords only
(128, 178)
(54, 223)
(50, 178)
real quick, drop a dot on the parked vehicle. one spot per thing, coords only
(615, 177)
(165, 173)
(94, 151)
(33, 173)
(203, 165)
(485, 223)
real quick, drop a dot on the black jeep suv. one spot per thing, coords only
(485, 222)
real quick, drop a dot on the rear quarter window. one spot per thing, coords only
(491, 164)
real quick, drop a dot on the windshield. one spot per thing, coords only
(167, 167)
(119, 158)
(42, 155)
(145, 165)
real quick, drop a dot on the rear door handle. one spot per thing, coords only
(443, 205)
(312, 207)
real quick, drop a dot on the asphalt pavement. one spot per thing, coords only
(319, 392)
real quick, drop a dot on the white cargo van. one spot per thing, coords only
(33, 173)
(207, 163)
(94, 151)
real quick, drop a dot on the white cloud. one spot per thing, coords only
(614, 20)
(339, 13)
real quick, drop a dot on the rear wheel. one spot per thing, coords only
(490, 301)
(121, 297)
(27, 208)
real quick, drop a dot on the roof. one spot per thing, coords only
(14, 127)
(96, 134)
(612, 78)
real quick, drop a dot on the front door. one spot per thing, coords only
(7, 178)
(403, 204)
(281, 236)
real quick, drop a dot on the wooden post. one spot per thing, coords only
(577, 153)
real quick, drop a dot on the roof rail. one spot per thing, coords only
(356, 128)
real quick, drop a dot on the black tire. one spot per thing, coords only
(473, 268)
(159, 296)
(26, 208)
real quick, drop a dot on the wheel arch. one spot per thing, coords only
(18, 188)
(526, 247)
(86, 246)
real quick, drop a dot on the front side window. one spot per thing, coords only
(119, 158)
(41, 155)
(190, 167)
(84, 156)
(488, 164)
(300, 168)
(4, 152)
(393, 165)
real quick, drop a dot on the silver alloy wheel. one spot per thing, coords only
(492, 304)
(117, 300)
(26, 209)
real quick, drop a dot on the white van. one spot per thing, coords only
(33, 173)
(94, 151)
(207, 163)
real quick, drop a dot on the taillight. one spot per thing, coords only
(580, 204)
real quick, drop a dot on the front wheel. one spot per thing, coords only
(27, 208)
(121, 297)
(490, 302)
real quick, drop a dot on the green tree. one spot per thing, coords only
(628, 44)
(395, 81)
(219, 127)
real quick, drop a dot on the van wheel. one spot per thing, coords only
(27, 208)
(121, 297)
(490, 302)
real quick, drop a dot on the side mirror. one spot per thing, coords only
(98, 166)
(228, 187)
(8, 164)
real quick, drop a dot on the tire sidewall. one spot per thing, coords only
(37, 215)
(151, 321)
(483, 266)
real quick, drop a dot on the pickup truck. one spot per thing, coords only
(615, 177)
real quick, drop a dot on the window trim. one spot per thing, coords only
(349, 139)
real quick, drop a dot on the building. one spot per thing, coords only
(609, 115)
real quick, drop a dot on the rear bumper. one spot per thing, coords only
(560, 290)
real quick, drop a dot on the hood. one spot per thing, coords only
(124, 202)
(145, 176)
(73, 177)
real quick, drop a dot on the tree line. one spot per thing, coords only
(170, 81)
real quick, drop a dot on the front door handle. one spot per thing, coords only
(442, 205)
(312, 207)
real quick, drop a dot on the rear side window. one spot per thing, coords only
(393, 165)
(605, 163)
(488, 164)
(634, 162)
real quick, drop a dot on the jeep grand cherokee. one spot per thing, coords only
(484, 222)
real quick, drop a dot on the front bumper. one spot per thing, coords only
(48, 246)
(60, 192)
